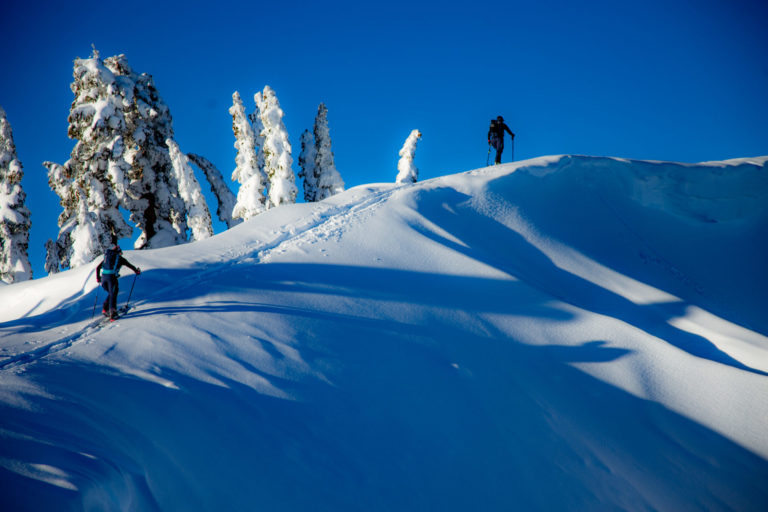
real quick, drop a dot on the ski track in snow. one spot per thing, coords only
(320, 226)
(54, 347)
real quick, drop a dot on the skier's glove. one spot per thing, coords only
(138, 270)
(98, 279)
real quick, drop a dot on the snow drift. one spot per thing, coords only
(565, 333)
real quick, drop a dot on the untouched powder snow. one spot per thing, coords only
(564, 333)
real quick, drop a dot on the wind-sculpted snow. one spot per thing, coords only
(562, 333)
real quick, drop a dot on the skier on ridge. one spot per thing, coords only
(113, 260)
(496, 136)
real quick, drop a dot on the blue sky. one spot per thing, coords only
(663, 80)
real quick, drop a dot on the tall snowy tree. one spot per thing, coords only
(120, 159)
(152, 193)
(219, 188)
(251, 200)
(276, 150)
(198, 215)
(327, 179)
(407, 171)
(88, 183)
(307, 164)
(14, 215)
(63, 184)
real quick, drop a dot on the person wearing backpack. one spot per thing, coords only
(496, 136)
(107, 273)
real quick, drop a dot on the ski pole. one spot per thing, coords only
(95, 301)
(131, 292)
(513, 149)
(488, 158)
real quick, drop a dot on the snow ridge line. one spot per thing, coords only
(335, 216)
(331, 222)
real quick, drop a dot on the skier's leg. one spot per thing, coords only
(113, 295)
(105, 304)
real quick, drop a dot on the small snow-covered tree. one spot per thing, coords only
(250, 196)
(307, 164)
(407, 171)
(14, 215)
(198, 215)
(276, 150)
(327, 179)
(224, 195)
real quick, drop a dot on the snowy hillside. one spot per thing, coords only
(565, 333)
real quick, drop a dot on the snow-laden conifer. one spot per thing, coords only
(224, 195)
(120, 159)
(276, 150)
(250, 196)
(407, 171)
(198, 215)
(63, 185)
(88, 184)
(327, 179)
(151, 194)
(14, 215)
(307, 164)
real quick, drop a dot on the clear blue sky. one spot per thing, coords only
(663, 80)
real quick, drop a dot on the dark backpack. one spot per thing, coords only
(111, 260)
(493, 131)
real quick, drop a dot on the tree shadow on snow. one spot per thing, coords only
(442, 419)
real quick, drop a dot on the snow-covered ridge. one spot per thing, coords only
(593, 322)
(709, 191)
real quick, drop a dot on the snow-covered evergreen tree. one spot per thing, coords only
(407, 171)
(327, 179)
(224, 195)
(276, 150)
(258, 128)
(251, 199)
(120, 159)
(198, 215)
(151, 194)
(63, 184)
(307, 164)
(88, 183)
(14, 215)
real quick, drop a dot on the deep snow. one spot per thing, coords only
(565, 333)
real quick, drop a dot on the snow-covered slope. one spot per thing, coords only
(565, 333)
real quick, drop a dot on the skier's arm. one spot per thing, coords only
(125, 262)
(98, 273)
(509, 131)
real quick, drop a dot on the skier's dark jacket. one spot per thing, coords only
(496, 131)
(120, 262)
